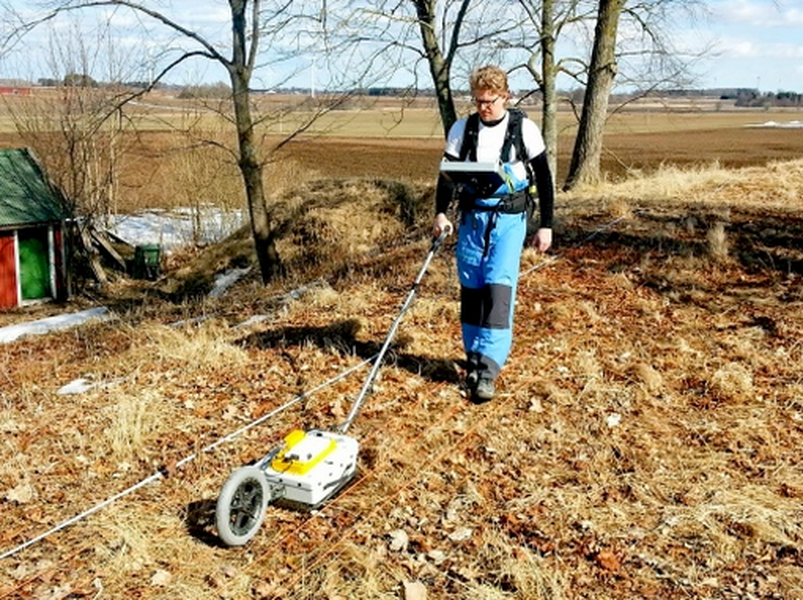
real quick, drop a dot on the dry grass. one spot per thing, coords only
(644, 443)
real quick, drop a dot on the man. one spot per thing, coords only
(493, 224)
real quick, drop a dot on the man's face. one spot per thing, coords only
(490, 104)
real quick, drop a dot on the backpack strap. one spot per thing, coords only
(513, 137)
(468, 148)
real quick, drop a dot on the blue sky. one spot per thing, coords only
(759, 43)
(753, 43)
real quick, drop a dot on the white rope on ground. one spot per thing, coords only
(585, 240)
(160, 474)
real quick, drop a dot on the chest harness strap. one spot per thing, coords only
(511, 203)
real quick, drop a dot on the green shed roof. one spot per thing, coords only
(26, 198)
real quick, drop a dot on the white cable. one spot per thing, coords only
(555, 257)
(231, 436)
(182, 462)
(83, 515)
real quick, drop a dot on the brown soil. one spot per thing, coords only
(645, 441)
(416, 159)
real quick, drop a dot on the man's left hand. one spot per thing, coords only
(543, 239)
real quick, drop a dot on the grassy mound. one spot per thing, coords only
(645, 442)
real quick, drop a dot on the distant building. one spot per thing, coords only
(14, 91)
(32, 232)
(15, 87)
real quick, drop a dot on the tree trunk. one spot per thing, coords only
(585, 164)
(439, 67)
(270, 264)
(549, 113)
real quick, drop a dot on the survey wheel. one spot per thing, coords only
(241, 506)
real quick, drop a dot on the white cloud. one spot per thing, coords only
(743, 48)
(757, 13)
(792, 17)
(744, 12)
(739, 49)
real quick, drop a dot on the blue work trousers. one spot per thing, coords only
(488, 258)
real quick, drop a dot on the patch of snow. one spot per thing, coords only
(13, 332)
(76, 386)
(171, 230)
(176, 228)
(81, 385)
(254, 320)
(226, 280)
(777, 125)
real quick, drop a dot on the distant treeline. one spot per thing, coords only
(743, 97)
(754, 98)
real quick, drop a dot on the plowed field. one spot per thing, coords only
(645, 441)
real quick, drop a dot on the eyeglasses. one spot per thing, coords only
(484, 103)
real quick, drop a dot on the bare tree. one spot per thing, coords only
(650, 61)
(447, 38)
(545, 22)
(440, 64)
(548, 81)
(587, 152)
(252, 22)
(474, 32)
(76, 128)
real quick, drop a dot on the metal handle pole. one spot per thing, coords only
(355, 408)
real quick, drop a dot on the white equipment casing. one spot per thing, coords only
(311, 466)
(483, 177)
(452, 166)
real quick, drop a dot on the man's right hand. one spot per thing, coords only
(440, 224)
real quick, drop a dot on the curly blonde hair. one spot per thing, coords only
(490, 78)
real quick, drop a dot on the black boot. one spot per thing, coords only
(484, 391)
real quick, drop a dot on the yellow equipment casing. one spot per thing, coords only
(301, 452)
(311, 466)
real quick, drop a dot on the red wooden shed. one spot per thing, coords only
(32, 224)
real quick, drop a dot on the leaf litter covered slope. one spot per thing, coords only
(644, 442)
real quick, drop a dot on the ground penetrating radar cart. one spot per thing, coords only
(309, 467)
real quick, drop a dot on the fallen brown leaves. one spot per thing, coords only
(644, 443)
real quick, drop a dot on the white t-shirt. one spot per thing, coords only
(490, 140)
